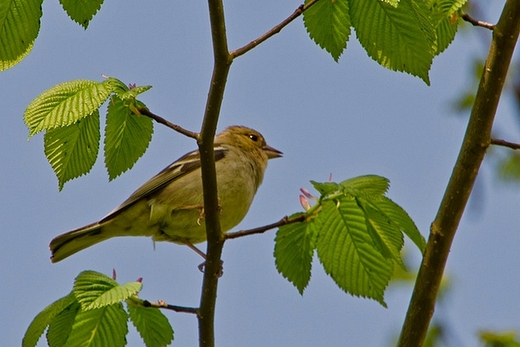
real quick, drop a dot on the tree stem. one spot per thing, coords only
(212, 269)
(474, 146)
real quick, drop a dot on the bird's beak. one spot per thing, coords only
(272, 152)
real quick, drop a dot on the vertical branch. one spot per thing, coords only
(222, 63)
(474, 146)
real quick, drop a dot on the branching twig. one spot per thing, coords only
(162, 304)
(158, 119)
(474, 146)
(477, 23)
(275, 30)
(505, 143)
(284, 221)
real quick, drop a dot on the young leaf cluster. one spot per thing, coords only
(401, 35)
(357, 233)
(93, 315)
(68, 113)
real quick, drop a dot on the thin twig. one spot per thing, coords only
(477, 23)
(505, 143)
(284, 221)
(162, 304)
(275, 30)
(159, 119)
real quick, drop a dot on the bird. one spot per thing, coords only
(170, 206)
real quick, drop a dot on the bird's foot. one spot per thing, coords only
(202, 266)
(220, 272)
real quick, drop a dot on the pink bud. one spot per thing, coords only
(140, 280)
(305, 203)
(307, 194)
(330, 177)
(114, 275)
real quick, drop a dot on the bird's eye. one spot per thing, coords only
(253, 137)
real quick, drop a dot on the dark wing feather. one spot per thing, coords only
(182, 166)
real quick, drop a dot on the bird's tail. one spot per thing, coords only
(65, 245)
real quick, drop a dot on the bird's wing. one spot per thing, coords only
(182, 166)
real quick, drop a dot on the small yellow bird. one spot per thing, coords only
(169, 207)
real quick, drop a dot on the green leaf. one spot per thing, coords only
(399, 38)
(152, 325)
(347, 252)
(122, 91)
(116, 294)
(399, 217)
(133, 92)
(81, 11)
(90, 285)
(325, 188)
(385, 235)
(43, 319)
(72, 150)
(116, 86)
(293, 251)
(61, 326)
(368, 185)
(95, 290)
(446, 31)
(100, 327)
(444, 7)
(328, 24)
(445, 19)
(127, 137)
(19, 27)
(65, 104)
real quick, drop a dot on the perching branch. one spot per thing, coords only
(477, 23)
(474, 146)
(275, 30)
(145, 112)
(284, 221)
(162, 304)
(505, 143)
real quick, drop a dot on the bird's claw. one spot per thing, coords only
(220, 272)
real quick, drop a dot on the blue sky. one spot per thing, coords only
(348, 118)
